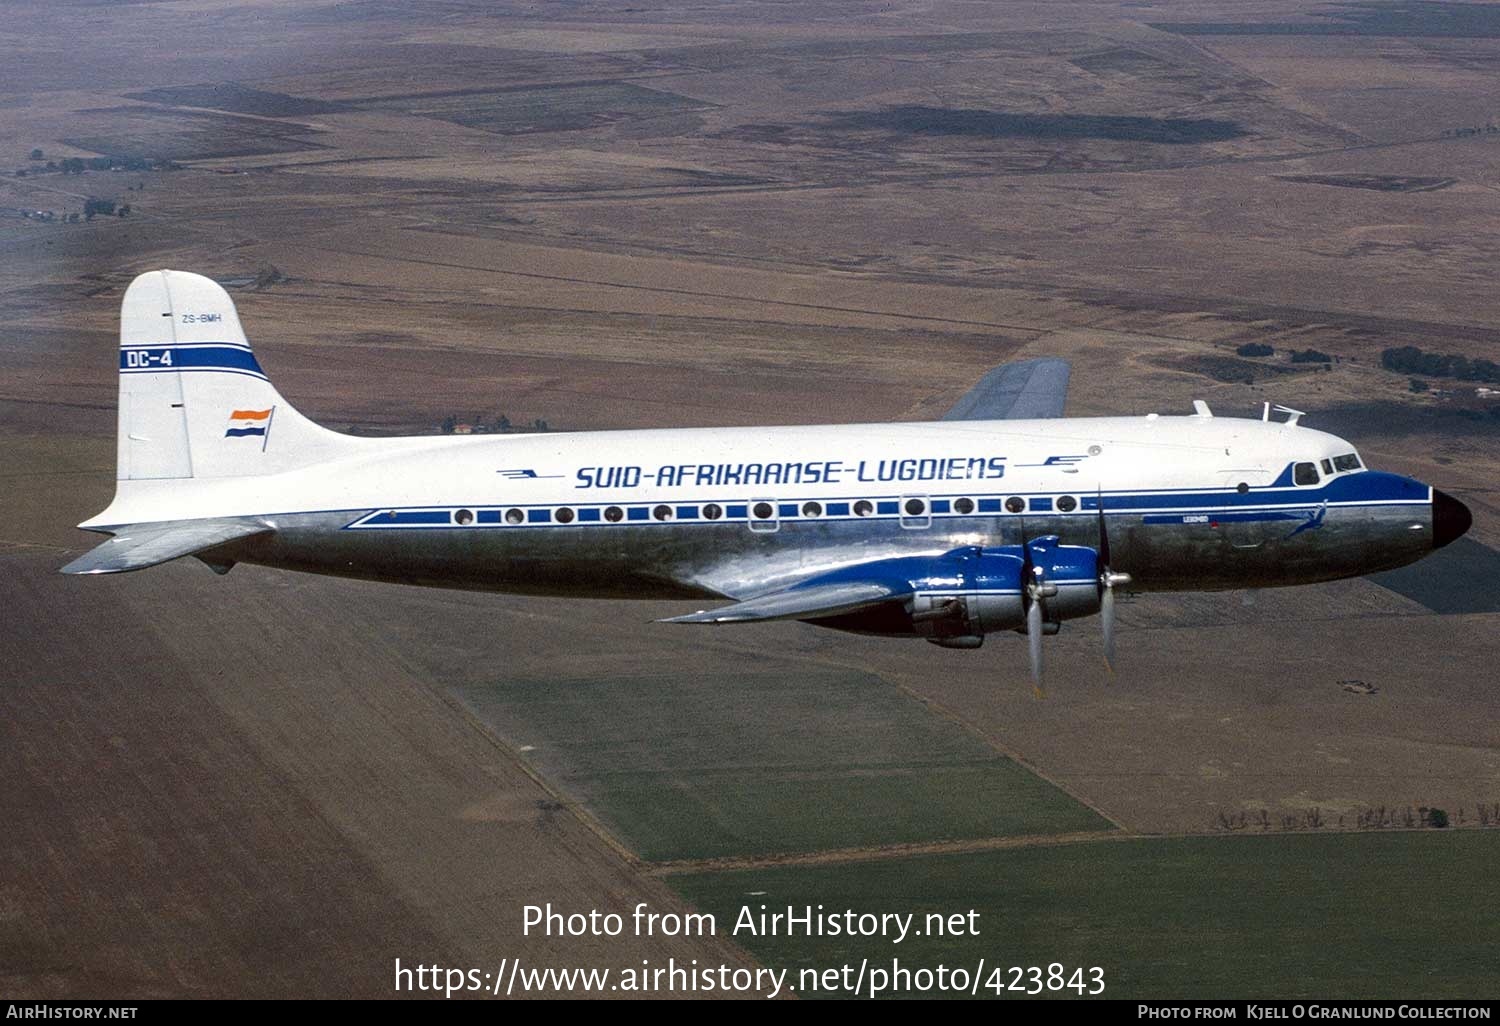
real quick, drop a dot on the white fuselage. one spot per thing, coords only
(1193, 502)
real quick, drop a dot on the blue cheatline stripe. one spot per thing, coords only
(642, 515)
(192, 357)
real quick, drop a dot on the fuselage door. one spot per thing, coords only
(1239, 526)
(916, 512)
(765, 515)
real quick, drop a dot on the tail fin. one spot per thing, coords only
(194, 403)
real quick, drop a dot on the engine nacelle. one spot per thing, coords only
(1074, 571)
(981, 594)
(981, 591)
(959, 597)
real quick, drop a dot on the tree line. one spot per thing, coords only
(500, 426)
(1260, 349)
(1413, 360)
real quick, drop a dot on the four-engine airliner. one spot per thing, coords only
(1003, 516)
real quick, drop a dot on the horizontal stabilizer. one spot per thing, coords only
(1028, 390)
(135, 548)
(795, 604)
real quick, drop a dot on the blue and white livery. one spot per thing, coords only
(1003, 516)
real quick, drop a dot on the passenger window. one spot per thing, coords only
(1348, 461)
(1305, 474)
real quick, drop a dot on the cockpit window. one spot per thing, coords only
(1305, 473)
(1349, 461)
(1327, 466)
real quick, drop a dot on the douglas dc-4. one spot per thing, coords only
(1002, 516)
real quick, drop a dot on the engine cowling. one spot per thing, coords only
(981, 591)
(981, 595)
(1074, 571)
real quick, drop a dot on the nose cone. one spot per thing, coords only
(1450, 519)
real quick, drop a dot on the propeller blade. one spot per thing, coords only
(1034, 642)
(1107, 581)
(1107, 620)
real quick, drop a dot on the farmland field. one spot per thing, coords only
(777, 760)
(1372, 916)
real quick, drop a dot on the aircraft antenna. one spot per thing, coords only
(1292, 415)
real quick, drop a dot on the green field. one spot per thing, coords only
(1397, 915)
(769, 762)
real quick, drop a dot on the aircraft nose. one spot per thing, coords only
(1450, 519)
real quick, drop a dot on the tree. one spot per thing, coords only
(1310, 356)
(1255, 349)
(93, 205)
(1411, 360)
(36, 154)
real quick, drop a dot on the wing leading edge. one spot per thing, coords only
(143, 545)
(1027, 390)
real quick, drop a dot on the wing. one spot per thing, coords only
(143, 545)
(796, 604)
(1030, 389)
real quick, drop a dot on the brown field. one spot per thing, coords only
(698, 214)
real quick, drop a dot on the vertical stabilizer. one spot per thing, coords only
(194, 402)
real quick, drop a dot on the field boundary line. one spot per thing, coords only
(843, 856)
(877, 853)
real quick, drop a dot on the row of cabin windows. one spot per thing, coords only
(912, 507)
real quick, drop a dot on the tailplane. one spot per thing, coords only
(135, 548)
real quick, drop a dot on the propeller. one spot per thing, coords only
(1107, 581)
(1035, 589)
(1034, 640)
